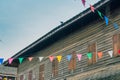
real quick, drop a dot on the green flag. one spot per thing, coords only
(100, 14)
(20, 60)
(89, 55)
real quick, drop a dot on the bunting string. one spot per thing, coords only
(107, 20)
(59, 57)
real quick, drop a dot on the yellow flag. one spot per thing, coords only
(4, 78)
(59, 58)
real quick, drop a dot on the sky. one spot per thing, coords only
(24, 21)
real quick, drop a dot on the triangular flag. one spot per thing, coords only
(30, 58)
(69, 57)
(20, 60)
(118, 51)
(41, 58)
(100, 54)
(1, 60)
(51, 58)
(115, 25)
(92, 8)
(10, 60)
(83, 2)
(106, 20)
(100, 14)
(89, 55)
(59, 58)
(110, 53)
(79, 56)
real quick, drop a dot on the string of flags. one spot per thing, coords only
(89, 55)
(102, 16)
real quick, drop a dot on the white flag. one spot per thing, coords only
(110, 53)
(41, 58)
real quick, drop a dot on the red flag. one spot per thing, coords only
(118, 51)
(92, 8)
(100, 54)
(83, 2)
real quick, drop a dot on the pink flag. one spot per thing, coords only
(10, 60)
(92, 8)
(83, 2)
(79, 56)
(51, 58)
(30, 58)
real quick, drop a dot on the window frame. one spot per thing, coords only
(92, 48)
(21, 77)
(72, 62)
(55, 68)
(30, 75)
(116, 44)
(41, 72)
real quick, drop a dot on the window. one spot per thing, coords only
(116, 44)
(92, 49)
(21, 77)
(30, 75)
(55, 67)
(41, 72)
(72, 63)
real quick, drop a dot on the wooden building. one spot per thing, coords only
(85, 32)
(8, 73)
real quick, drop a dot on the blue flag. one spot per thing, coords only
(1, 60)
(69, 57)
(115, 25)
(106, 20)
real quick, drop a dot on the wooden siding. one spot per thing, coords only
(41, 72)
(96, 32)
(54, 68)
(107, 73)
(30, 75)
